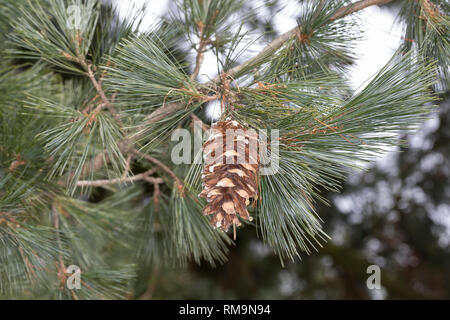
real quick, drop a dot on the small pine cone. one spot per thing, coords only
(230, 173)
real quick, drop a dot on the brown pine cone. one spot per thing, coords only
(230, 175)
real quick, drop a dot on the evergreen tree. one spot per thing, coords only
(89, 105)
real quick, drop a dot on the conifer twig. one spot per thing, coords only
(101, 158)
(97, 85)
(142, 176)
(156, 193)
(127, 166)
(277, 43)
(200, 52)
(180, 184)
(163, 112)
(148, 294)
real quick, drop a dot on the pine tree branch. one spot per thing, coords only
(156, 193)
(270, 49)
(199, 59)
(169, 109)
(101, 158)
(91, 105)
(200, 52)
(180, 184)
(357, 6)
(97, 85)
(142, 176)
(163, 112)
(126, 146)
(148, 294)
(276, 44)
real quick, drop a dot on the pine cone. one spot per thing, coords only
(230, 173)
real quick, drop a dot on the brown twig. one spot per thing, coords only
(102, 76)
(16, 163)
(72, 58)
(163, 112)
(127, 166)
(148, 294)
(97, 85)
(168, 109)
(156, 193)
(106, 102)
(200, 52)
(357, 6)
(141, 176)
(90, 105)
(165, 168)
